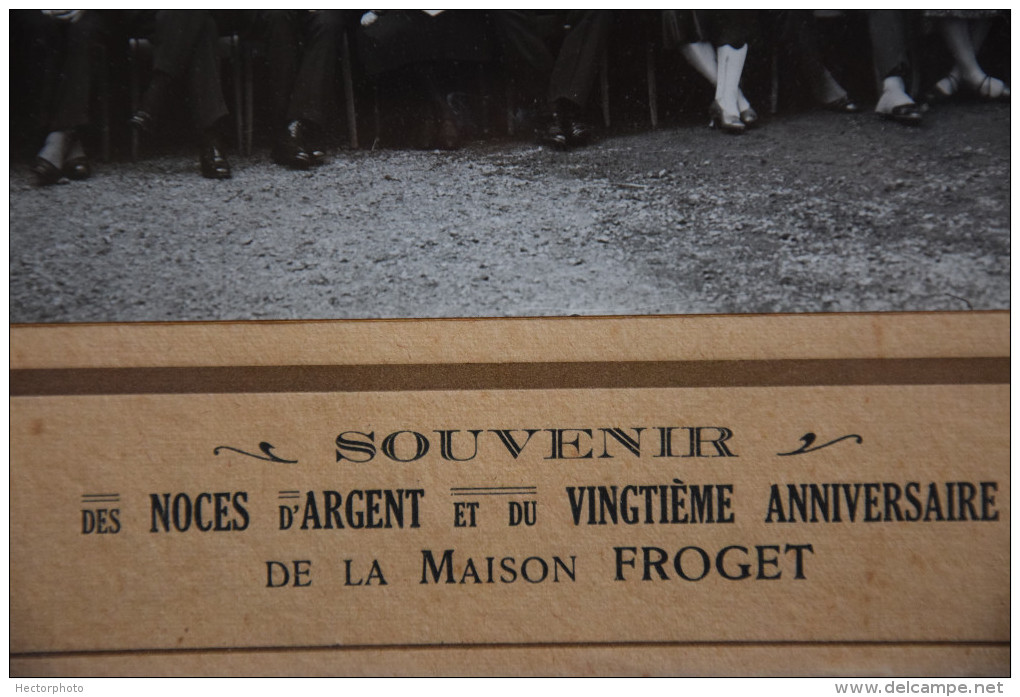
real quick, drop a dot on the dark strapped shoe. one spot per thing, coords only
(906, 114)
(142, 121)
(578, 134)
(77, 168)
(45, 172)
(843, 105)
(214, 162)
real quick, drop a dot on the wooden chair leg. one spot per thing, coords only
(103, 91)
(378, 116)
(249, 98)
(604, 86)
(510, 105)
(484, 102)
(135, 89)
(653, 87)
(774, 94)
(239, 120)
(345, 69)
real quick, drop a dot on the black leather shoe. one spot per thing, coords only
(317, 154)
(45, 172)
(555, 133)
(579, 133)
(214, 162)
(142, 121)
(289, 149)
(77, 168)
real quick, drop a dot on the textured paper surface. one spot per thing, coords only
(898, 422)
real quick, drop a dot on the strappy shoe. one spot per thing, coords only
(727, 123)
(992, 89)
(906, 114)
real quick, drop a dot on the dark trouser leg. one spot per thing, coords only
(428, 82)
(283, 49)
(526, 55)
(888, 43)
(42, 63)
(205, 89)
(175, 38)
(174, 35)
(316, 78)
(75, 87)
(578, 61)
(184, 46)
(798, 31)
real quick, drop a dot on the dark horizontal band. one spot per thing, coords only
(510, 376)
(789, 643)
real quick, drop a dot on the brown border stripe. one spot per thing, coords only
(637, 644)
(509, 376)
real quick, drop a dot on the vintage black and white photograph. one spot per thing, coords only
(192, 165)
(774, 244)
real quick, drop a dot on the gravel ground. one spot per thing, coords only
(811, 212)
